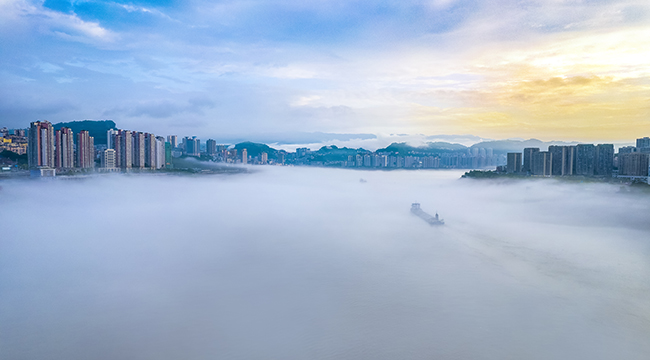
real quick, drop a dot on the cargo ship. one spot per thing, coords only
(432, 220)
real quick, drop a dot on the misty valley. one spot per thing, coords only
(312, 263)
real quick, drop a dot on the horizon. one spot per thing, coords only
(371, 142)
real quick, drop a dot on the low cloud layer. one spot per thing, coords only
(298, 263)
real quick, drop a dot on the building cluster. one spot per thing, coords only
(473, 158)
(49, 151)
(15, 142)
(583, 160)
(127, 150)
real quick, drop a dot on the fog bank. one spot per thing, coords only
(309, 263)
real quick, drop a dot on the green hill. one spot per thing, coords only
(335, 153)
(437, 147)
(96, 128)
(255, 149)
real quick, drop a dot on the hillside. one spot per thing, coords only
(96, 128)
(437, 147)
(255, 149)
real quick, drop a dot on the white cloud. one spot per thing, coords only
(68, 26)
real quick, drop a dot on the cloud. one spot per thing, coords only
(335, 66)
(308, 263)
(162, 108)
(63, 25)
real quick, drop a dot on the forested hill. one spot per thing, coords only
(430, 148)
(255, 149)
(96, 128)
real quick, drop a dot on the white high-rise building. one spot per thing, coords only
(110, 138)
(108, 159)
(160, 152)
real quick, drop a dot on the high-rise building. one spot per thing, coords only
(109, 159)
(367, 160)
(281, 156)
(244, 156)
(126, 149)
(563, 160)
(150, 151)
(542, 163)
(110, 138)
(264, 158)
(633, 164)
(628, 150)
(514, 163)
(168, 155)
(585, 159)
(528, 159)
(138, 150)
(211, 147)
(604, 160)
(64, 150)
(160, 152)
(40, 146)
(85, 150)
(192, 146)
(173, 141)
(643, 143)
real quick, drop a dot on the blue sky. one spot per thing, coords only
(565, 70)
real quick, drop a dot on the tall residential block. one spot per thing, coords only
(85, 150)
(126, 149)
(40, 146)
(244, 156)
(110, 138)
(529, 153)
(173, 141)
(633, 164)
(138, 149)
(643, 143)
(585, 159)
(109, 159)
(211, 147)
(160, 152)
(168, 155)
(627, 149)
(150, 151)
(192, 146)
(64, 149)
(514, 163)
(542, 163)
(604, 160)
(563, 160)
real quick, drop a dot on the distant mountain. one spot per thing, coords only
(96, 128)
(335, 153)
(255, 149)
(431, 148)
(505, 146)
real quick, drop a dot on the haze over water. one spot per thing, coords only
(309, 263)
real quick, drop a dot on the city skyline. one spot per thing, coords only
(49, 151)
(546, 70)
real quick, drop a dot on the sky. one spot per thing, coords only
(552, 70)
